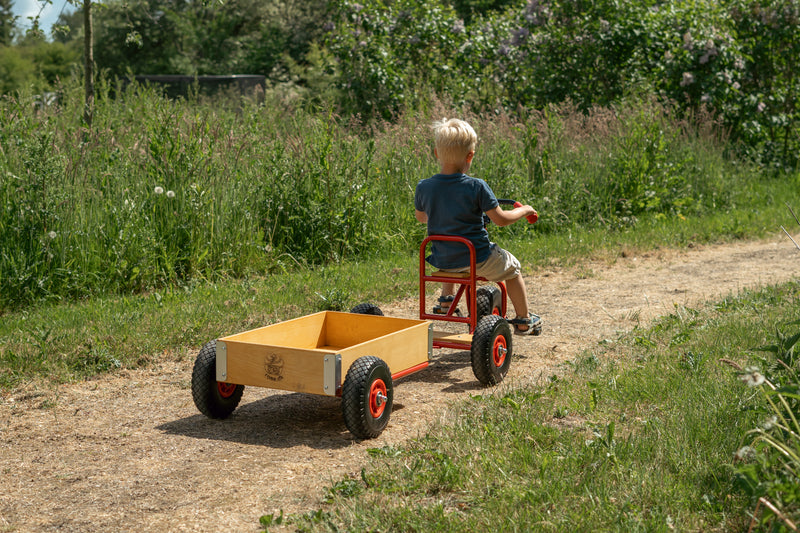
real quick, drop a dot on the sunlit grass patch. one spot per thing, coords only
(641, 441)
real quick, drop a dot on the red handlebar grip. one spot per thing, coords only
(531, 218)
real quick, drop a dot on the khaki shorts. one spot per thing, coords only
(501, 265)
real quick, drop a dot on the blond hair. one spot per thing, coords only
(454, 139)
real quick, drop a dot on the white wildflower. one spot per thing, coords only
(736, 86)
(705, 98)
(752, 377)
(761, 107)
(52, 235)
(745, 453)
(159, 190)
(170, 194)
(688, 79)
(770, 422)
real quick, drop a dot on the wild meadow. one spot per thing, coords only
(160, 193)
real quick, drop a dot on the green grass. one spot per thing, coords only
(638, 434)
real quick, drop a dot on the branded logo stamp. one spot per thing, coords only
(273, 367)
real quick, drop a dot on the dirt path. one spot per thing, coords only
(130, 452)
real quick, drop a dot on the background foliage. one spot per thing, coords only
(378, 58)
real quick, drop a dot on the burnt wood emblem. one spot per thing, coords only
(273, 367)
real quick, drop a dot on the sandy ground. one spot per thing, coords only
(130, 452)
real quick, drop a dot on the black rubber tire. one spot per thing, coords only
(489, 301)
(213, 398)
(364, 415)
(367, 309)
(491, 350)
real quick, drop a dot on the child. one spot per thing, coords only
(453, 203)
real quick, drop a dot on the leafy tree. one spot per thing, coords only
(232, 37)
(395, 56)
(6, 22)
(143, 37)
(767, 115)
(69, 26)
(16, 71)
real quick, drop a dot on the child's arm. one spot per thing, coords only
(421, 216)
(504, 218)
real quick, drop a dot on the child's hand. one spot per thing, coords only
(530, 213)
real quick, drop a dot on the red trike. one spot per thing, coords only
(489, 339)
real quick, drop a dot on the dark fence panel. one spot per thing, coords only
(181, 85)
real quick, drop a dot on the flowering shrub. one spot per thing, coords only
(736, 58)
(386, 54)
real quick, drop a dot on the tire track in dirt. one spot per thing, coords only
(130, 452)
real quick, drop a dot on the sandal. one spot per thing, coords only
(534, 323)
(440, 309)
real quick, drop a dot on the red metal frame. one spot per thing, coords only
(411, 370)
(468, 285)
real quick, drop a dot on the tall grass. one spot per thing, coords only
(161, 192)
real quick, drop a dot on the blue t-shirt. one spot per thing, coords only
(455, 204)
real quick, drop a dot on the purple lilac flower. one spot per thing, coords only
(519, 36)
(531, 13)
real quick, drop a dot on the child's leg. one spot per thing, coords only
(519, 298)
(518, 295)
(502, 265)
(446, 299)
(448, 289)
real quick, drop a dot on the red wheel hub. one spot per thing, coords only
(377, 398)
(226, 390)
(499, 350)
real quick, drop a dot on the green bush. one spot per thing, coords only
(736, 59)
(15, 71)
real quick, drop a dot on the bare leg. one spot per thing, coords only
(519, 297)
(448, 289)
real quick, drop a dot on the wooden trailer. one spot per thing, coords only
(352, 355)
(355, 356)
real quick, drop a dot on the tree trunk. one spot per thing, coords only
(88, 59)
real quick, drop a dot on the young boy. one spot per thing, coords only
(453, 203)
